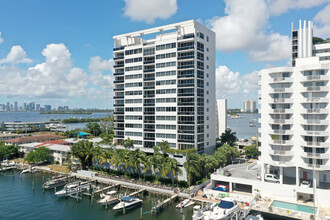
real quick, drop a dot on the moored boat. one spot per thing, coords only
(127, 203)
(109, 198)
(183, 203)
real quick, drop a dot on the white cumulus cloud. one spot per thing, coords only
(278, 7)
(56, 77)
(16, 55)
(322, 23)
(234, 87)
(149, 10)
(245, 28)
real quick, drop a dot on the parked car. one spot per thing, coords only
(272, 178)
(305, 184)
(222, 188)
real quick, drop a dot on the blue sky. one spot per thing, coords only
(60, 52)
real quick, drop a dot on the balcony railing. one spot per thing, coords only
(186, 36)
(148, 70)
(118, 97)
(186, 57)
(186, 66)
(186, 48)
(118, 66)
(118, 81)
(118, 48)
(118, 58)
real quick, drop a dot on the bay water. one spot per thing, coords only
(19, 201)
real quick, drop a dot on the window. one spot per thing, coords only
(167, 64)
(130, 101)
(133, 125)
(207, 75)
(207, 66)
(130, 133)
(165, 109)
(137, 92)
(133, 68)
(165, 91)
(136, 109)
(165, 55)
(165, 100)
(167, 127)
(207, 135)
(207, 118)
(207, 126)
(207, 101)
(137, 84)
(207, 58)
(207, 92)
(166, 46)
(166, 82)
(207, 38)
(134, 51)
(200, 34)
(207, 84)
(207, 49)
(134, 76)
(166, 118)
(169, 136)
(133, 60)
(166, 73)
(133, 117)
(207, 109)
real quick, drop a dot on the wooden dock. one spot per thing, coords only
(106, 188)
(137, 192)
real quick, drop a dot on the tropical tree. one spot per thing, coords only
(251, 151)
(84, 151)
(174, 168)
(164, 146)
(208, 162)
(192, 166)
(106, 156)
(94, 128)
(8, 152)
(128, 143)
(38, 155)
(228, 137)
(137, 159)
(225, 154)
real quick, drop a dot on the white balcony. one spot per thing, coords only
(281, 90)
(283, 153)
(281, 111)
(315, 78)
(315, 100)
(318, 166)
(315, 144)
(281, 142)
(315, 111)
(281, 163)
(315, 122)
(281, 80)
(315, 155)
(280, 121)
(315, 133)
(316, 89)
(280, 100)
(281, 131)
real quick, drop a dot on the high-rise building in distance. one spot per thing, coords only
(250, 106)
(165, 86)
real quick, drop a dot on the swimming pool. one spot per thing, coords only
(295, 207)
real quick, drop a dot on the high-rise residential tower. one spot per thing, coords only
(165, 86)
(250, 106)
(295, 115)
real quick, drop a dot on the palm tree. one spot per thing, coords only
(107, 155)
(174, 168)
(192, 166)
(136, 159)
(209, 162)
(84, 151)
(228, 137)
(128, 143)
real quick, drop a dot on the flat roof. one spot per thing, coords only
(51, 146)
(155, 29)
(36, 138)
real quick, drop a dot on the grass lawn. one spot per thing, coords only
(59, 168)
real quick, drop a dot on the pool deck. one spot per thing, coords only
(263, 206)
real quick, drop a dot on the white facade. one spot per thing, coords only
(295, 116)
(221, 116)
(165, 86)
(250, 106)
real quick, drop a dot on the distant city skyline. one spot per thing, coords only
(248, 35)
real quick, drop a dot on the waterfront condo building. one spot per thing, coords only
(164, 87)
(295, 116)
(250, 106)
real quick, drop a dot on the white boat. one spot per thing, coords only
(54, 183)
(199, 213)
(182, 204)
(7, 163)
(128, 203)
(29, 170)
(109, 198)
(224, 211)
(71, 189)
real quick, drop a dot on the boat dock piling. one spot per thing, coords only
(137, 192)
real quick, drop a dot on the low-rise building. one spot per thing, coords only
(59, 149)
(33, 139)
